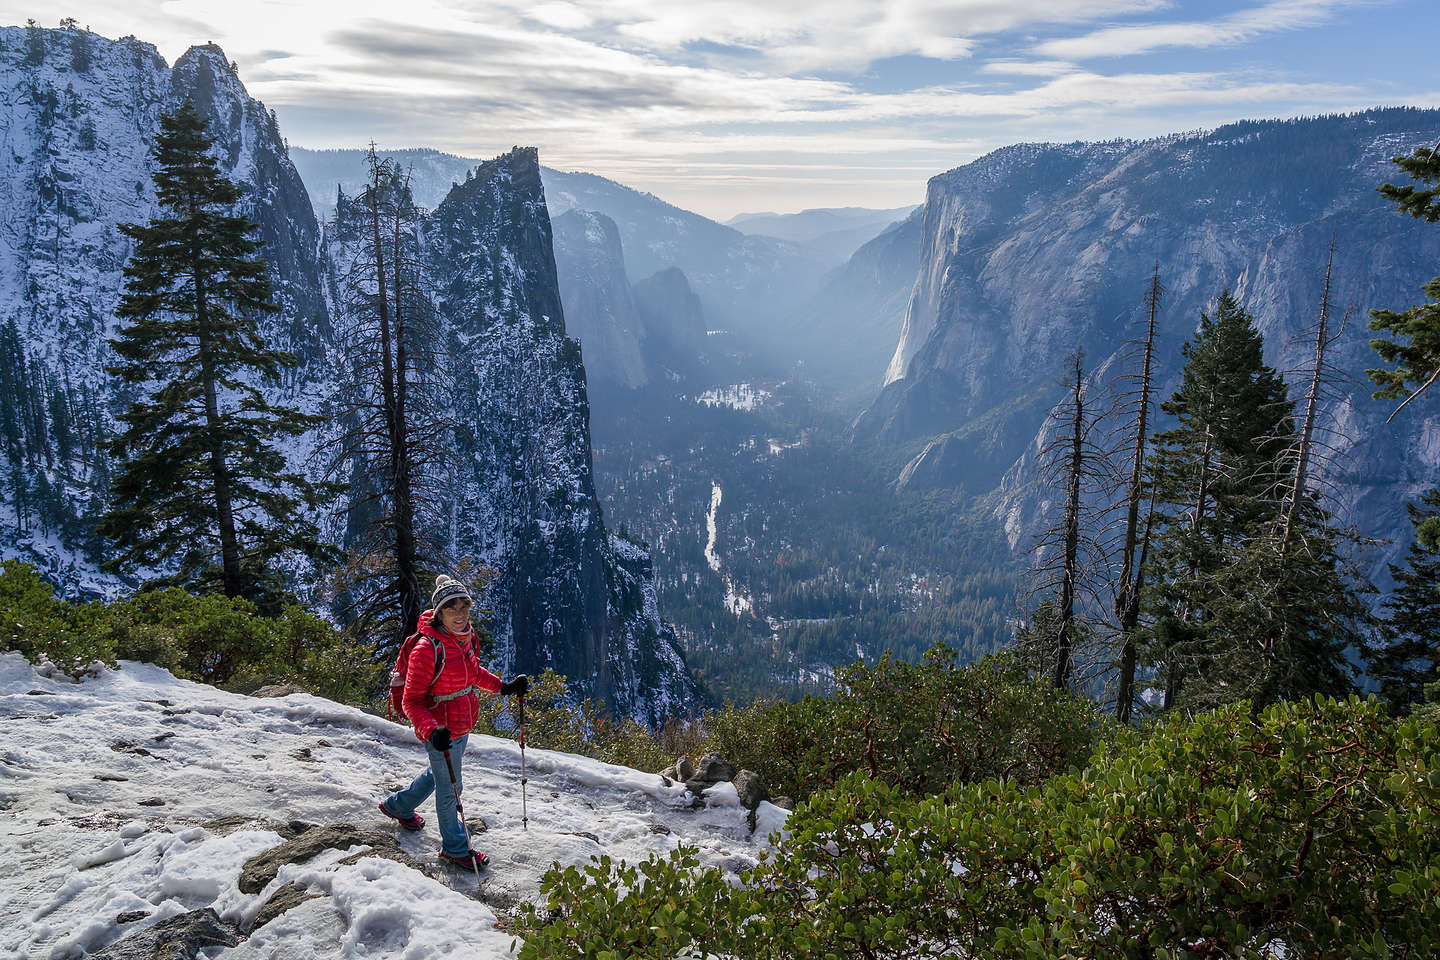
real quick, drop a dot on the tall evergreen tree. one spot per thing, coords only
(1416, 363)
(1408, 657)
(1253, 597)
(1210, 474)
(201, 477)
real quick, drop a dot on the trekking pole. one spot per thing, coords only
(459, 810)
(524, 811)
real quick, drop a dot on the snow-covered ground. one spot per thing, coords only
(134, 791)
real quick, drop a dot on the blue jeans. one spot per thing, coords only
(436, 779)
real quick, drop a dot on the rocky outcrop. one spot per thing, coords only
(177, 938)
(674, 323)
(600, 311)
(1036, 250)
(81, 112)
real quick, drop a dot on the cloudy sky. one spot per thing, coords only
(725, 106)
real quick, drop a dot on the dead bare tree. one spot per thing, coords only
(1127, 594)
(391, 339)
(1070, 559)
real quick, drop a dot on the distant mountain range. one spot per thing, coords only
(832, 232)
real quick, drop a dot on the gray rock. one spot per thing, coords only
(178, 938)
(669, 773)
(784, 803)
(286, 898)
(130, 916)
(684, 768)
(714, 768)
(751, 789)
(278, 690)
(260, 869)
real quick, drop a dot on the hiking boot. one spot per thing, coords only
(464, 861)
(413, 822)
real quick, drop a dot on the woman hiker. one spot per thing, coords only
(443, 713)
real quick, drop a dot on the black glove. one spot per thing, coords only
(440, 738)
(516, 686)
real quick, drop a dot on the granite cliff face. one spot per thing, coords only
(600, 311)
(1035, 250)
(853, 322)
(79, 116)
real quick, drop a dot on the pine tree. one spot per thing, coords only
(1415, 363)
(201, 477)
(1210, 474)
(1253, 597)
(1408, 657)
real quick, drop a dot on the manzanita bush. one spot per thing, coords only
(1312, 829)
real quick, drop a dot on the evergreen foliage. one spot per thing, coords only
(1312, 829)
(209, 638)
(202, 484)
(1239, 608)
(1415, 363)
(1408, 656)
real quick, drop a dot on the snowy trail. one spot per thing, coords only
(113, 790)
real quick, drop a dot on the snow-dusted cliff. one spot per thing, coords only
(77, 121)
(1035, 250)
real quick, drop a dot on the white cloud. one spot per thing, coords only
(732, 98)
(1242, 27)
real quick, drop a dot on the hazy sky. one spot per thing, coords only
(748, 105)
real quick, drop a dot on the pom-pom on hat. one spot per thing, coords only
(446, 589)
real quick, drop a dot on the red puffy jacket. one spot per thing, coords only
(462, 672)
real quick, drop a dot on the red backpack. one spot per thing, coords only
(402, 663)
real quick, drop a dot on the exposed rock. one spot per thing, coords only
(684, 768)
(659, 828)
(260, 869)
(151, 802)
(714, 768)
(130, 916)
(178, 938)
(751, 789)
(285, 898)
(278, 690)
(784, 803)
(669, 774)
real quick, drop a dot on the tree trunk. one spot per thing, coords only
(1312, 400)
(220, 475)
(406, 554)
(1127, 600)
(1065, 631)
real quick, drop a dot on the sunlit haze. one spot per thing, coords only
(749, 105)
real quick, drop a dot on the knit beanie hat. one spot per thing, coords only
(447, 589)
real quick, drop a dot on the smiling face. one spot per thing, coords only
(455, 616)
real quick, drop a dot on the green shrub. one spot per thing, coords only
(658, 908)
(207, 637)
(918, 726)
(37, 624)
(1311, 830)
